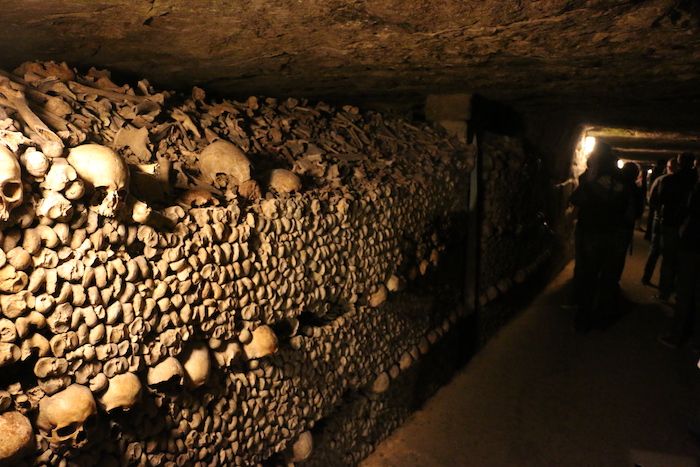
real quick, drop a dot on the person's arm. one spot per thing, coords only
(579, 195)
(692, 214)
(654, 193)
(638, 197)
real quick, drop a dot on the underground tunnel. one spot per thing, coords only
(271, 233)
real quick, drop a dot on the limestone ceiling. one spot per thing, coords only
(609, 59)
(647, 145)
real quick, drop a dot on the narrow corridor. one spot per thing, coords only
(538, 394)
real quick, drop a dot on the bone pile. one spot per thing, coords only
(184, 282)
(516, 240)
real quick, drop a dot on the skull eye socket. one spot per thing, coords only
(12, 190)
(67, 430)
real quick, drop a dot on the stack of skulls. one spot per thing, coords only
(191, 282)
(513, 234)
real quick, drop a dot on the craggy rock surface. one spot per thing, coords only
(572, 52)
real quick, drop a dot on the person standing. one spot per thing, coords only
(660, 169)
(605, 207)
(686, 319)
(674, 191)
(630, 174)
(655, 247)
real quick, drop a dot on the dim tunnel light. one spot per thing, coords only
(620, 163)
(588, 144)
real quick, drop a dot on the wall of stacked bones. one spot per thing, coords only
(190, 282)
(515, 237)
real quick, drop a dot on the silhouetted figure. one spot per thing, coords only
(605, 207)
(673, 195)
(630, 175)
(655, 247)
(658, 170)
(686, 319)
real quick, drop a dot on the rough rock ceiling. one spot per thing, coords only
(647, 145)
(594, 55)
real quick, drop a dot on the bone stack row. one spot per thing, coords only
(201, 283)
(513, 233)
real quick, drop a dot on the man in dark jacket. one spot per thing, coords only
(674, 191)
(686, 320)
(654, 216)
(605, 206)
(630, 174)
(660, 168)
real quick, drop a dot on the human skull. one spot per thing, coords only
(224, 158)
(302, 447)
(123, 392)
(263, 343)
(284, 181)
(106, 171)
(197, 364)
(167, 373)
(17, 437)
(11, 194)
(65, 417)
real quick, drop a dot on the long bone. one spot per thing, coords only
(14, 97)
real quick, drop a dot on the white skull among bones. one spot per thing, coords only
(106, 171)
(65, 416)
(11, 194)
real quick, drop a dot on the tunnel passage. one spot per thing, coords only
(273, 253)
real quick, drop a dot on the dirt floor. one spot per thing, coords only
(539, 394)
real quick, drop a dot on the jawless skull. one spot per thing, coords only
(65, 417)
(11, 194)
(123, 392)
(222, 163)
(108, 174)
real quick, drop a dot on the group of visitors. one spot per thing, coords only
(609, 201)
(674, 202)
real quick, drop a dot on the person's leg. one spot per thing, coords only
(654, 252)
(649, 233)
(669, 251)
(682, 316)
(620, 249)
(613, 250)
(694, 299)
(586, 283)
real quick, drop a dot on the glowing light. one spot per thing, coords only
(649, 171)
(588, 145)
(620, 163)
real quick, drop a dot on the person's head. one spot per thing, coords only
(672, 165)
(686, 161)
(631, 171)
(602, 160)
